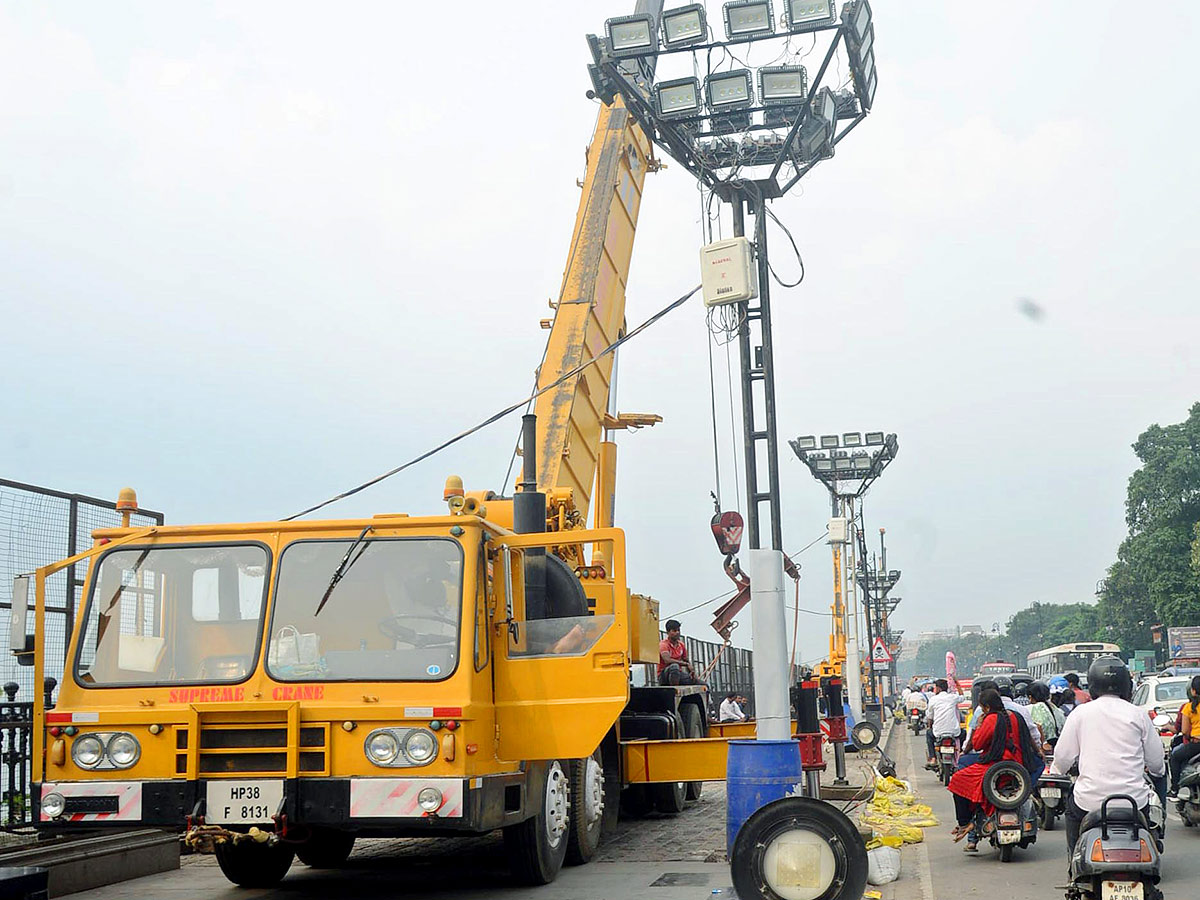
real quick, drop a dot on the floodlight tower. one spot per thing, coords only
(747, 149)
(847, 465)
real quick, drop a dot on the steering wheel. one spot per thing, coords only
(392, 628)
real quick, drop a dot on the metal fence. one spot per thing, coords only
(39, 526)
(732, 671)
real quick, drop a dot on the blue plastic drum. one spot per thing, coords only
(757, 773)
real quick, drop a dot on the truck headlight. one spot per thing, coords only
(53, 805)
(87, 751)
(382, 747)
(420, 746)
(123, 750)
(430, 799)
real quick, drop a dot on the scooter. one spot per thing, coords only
(947, 757)
(1116, 857)
(1007, 829)
(916, 720)
(1053, 793)
(1188, 804)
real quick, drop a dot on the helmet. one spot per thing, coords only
(1108, 675)
(1058, 685)
(1021, 689)
(1004, 685)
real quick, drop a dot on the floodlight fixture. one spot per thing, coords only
(631, 35)
(829, 440)
(678, 98)
(807, 442)
(815, 140)
(862, 463)
(894, 575)
(824, 464)
(847, 104)
(810, 15)
(856, 18)
(782, 85)
(874, 438)
(748, 18)
(852, 439)
(684, 25)
(865, 80)
(843, 464)
(729, 90)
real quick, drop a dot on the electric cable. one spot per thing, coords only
(497, 416)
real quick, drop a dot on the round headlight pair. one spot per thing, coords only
(122, 750)
(400, 747)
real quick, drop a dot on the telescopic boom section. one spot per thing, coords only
(591, 308)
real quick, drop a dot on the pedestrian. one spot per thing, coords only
(673, 665)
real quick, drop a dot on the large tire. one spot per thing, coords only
(537, 846)
(588, 798)
(944, 772)
(843, 856)
(326, 849)
(249, 864)
(693, 727)
(635, 801)
(670, 797)
(1006, 852)
(1047, 817)
(1007, 785)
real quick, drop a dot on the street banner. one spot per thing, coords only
(952, 669)
(1183, 643)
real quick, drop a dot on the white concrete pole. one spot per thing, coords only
(769, 634)
(852, 671)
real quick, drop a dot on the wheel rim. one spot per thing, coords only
(593, 791)
(798, 864)
(556, 804)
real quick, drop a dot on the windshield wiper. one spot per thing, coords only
(343, 567)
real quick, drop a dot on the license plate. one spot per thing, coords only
(1121, 890)
(1051, 794)
(947, 751)
(242, 802)
(1008, 836)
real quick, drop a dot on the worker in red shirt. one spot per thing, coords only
(673, 665)
(1081, 696)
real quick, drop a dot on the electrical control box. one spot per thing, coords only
(728, 273)
(837, 530)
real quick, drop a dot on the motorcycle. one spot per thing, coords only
(947, 757)
(916, 720)
(1014, 819)
(1117, 856)
(1188, 804)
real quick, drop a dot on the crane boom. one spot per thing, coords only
(590, 312)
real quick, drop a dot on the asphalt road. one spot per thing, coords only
(1035, 873)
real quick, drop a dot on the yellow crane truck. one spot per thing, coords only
(277, 689)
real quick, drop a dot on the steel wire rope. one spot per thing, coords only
(495, 417)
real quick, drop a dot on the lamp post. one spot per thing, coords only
(746, 147)
(847, 465)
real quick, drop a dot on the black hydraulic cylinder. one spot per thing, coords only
(834, 705)
(529, 517)
(807, 721)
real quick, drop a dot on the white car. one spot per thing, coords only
(1162, 695)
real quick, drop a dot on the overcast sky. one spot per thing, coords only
(252, 254)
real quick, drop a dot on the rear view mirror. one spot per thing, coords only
(1162, 720)
(20, 643)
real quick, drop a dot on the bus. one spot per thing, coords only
(998, 667)
(1068, 658)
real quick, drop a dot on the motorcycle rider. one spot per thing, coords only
(941, 718)
(1049, 718)
(1112, 741)
(1189, 730)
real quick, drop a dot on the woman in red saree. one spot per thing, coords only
(1000, 735)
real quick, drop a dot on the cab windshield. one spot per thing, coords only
(393, 616)
(173, 615)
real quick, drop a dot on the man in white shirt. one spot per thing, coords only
(941, 717)
(1112, 741)
(730, 711)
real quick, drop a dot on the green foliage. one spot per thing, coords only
(1156, 578)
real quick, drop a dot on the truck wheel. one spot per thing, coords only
(326, 849)
(669, 798)
(635, 801)
(588, 798)
(252, 865)
(536, 847)
(693, 727)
